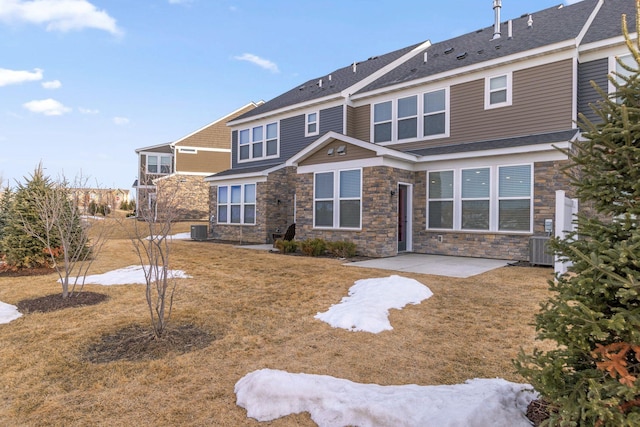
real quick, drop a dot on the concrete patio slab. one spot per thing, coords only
(438, 265)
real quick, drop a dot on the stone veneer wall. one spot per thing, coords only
(378, 237)
(274, 210)
(548, 178)
(192, 194)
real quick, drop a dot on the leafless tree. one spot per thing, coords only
(71, 240)
(157, 211)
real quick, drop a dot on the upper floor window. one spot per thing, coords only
(158, 164)
(382, 115)
(258, 142)
(497, 91)
(622, 72)
(312, 127)
(435, 113)
(399, 120)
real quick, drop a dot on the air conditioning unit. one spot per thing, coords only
(199, 232)
(539, 253)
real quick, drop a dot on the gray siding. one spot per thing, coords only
(597, 72)
(292, 137)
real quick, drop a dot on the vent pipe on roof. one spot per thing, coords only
(497, 5)
(355, 66)
(510, 29)
(320, 83)
(530, 21)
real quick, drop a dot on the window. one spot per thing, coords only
(158, 164)
(621, 72)
(435, 113)
(476, 191)
(237, 204)
(411, 117)
(382, 122)
(258, 142)
(497, 91)
(337, 199)
(312, 124)
(408, 117)
(514, 195)
(493, 198)
(440, 199)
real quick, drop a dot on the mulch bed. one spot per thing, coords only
(55, 302)
(137, 343)
(24, 272)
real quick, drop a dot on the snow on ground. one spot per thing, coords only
(8, 312)
(179, 236)
(332, 402)
(367, 306)
(134, 274)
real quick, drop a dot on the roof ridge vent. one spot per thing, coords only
(497, 6)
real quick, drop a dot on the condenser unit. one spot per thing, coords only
(199, 232)
(539, 253)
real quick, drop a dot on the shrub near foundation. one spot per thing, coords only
(313, 247)
(286, 246)
(342, 249)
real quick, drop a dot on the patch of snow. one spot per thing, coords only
(367, 306)
(133, 274)
(8, 312)
(270, 394)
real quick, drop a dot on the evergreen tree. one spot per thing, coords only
(6, 196)
(591, 377)
(20, 248)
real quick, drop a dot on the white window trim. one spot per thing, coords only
(487, 91)
(159, 164)
(228, 204)
(420, 118)
(336, 200)
(307, 123)
(494, 200)
(264, 143)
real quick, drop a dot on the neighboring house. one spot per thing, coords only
(447, 148)
(110, 197)
(182, 165)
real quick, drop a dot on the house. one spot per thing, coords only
(444, 148)
(183, 164)
(111, 198)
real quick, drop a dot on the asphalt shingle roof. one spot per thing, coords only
(608, 23)
(549, 26)
(544, 138)
(341, 79)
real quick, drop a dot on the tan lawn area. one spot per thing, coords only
(260, 308)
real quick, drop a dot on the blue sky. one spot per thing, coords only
(83, 83)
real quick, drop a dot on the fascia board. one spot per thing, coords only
(519, 57)
(152, 147)
(527, 149)
(244, 176)
(326, 138)
(287, 110)
(587, 24)
(255, 104)
(347, 93)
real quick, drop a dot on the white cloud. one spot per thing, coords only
(10, 77)
(58, 15)
(260, 62)
(48, 107)
(180, 1)
(53, 84)
(121, 121)
(87, 111)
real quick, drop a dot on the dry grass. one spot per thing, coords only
(261, 308)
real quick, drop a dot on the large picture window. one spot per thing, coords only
(258, 142)
(237, 204)
(337, 199)
(492, 198)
